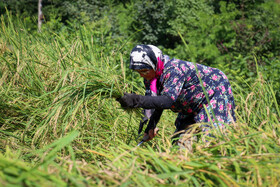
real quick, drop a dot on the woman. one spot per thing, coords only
(174, 84)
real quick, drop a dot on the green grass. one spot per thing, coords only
(61, 126)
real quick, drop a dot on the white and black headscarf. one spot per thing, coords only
(145, 57)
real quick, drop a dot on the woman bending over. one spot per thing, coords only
(174, 84)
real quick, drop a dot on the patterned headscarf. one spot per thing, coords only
(147, 57)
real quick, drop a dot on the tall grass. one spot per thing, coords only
(60, 123)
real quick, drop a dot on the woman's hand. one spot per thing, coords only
(129, 100)
(149, 136)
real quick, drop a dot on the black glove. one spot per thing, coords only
(154, 120)
(129, 100)
(142, 123)
(147, 102)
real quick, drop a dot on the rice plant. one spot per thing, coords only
(61, 126)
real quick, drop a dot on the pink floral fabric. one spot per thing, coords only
(180, 81)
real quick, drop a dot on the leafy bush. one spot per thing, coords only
(150, 19)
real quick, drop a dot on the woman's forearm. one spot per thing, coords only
(154, 120)
(155, 102)
(146, 102)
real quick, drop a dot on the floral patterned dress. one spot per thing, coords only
(180, 81)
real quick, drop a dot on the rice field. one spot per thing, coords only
(61, 126)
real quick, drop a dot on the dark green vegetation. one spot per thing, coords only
(61, 126)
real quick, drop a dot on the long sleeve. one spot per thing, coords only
(154, 120)
(152, 106)
(155, 102)
(146, 102)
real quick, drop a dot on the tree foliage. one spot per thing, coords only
(231, 35)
